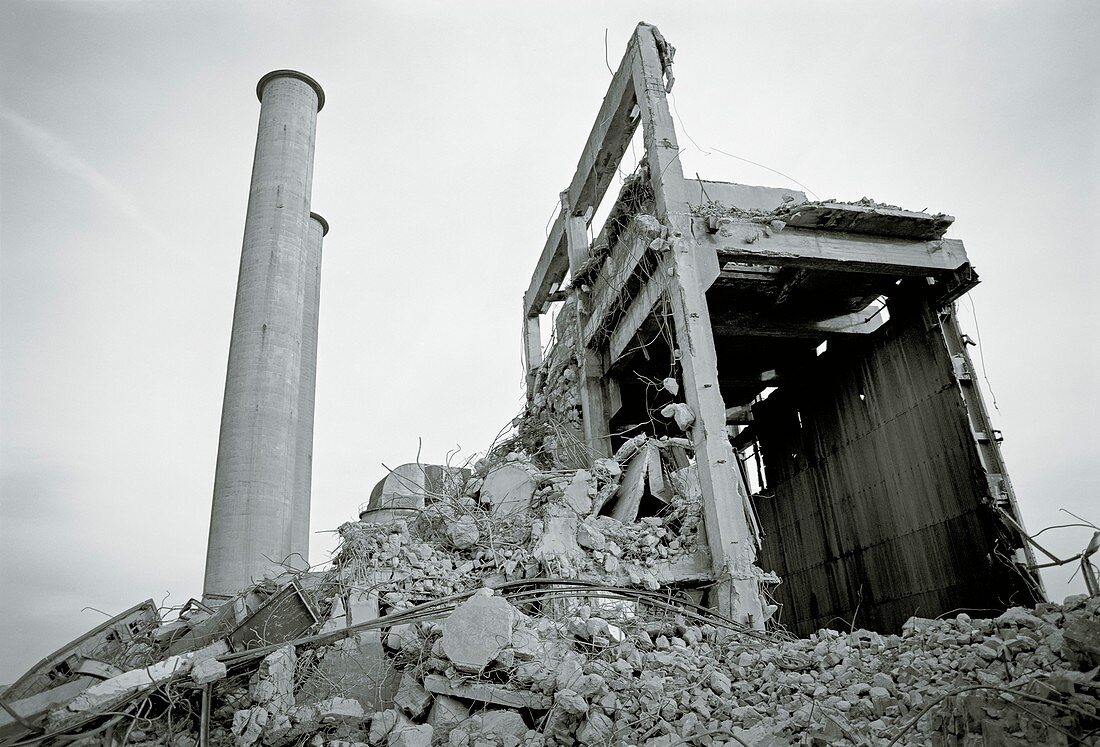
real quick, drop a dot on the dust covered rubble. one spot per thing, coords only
(554, 623)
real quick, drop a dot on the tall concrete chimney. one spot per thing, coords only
(307, 387)
(254, 481)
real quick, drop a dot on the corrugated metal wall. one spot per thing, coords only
(877, 487)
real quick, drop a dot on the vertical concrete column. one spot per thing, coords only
(307, 387)
(254, 478)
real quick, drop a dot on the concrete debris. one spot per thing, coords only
(355, 667)
(273, 683)
(570, 647)
(34, 706)
(490, 729)
(210, 670)
(412, 698)
(99, 696)
(446, 713)
(333, 709)
(463, 533)
(681, 413)
(508, 489)
(383, 724)
(578, 496)
(248, 726)
(484, 692)
(411, 736)
(476, 632)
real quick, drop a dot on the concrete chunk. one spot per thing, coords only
(35, 705)
(484, 692)
(248, 726)
(477, 631)
(356, 667)
(578, 496)
(502, 723)
(508, 489)
(411, 736)
(102, 694)
(412, 698)
(206, 671)
(446, 714)
(384, 723)
(273, 683)
(338, 709)
(463, 533)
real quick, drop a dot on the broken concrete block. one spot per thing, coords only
(508, 489)
(628, 498)
(35, 705)
(484, 692)
(720, 683)
(273, 683)
(578, 495)
(400, 636)
(596, 729)
(412, 698)
(446, 714)
(338, 709)
(248, 726)
(100, 670)
(1081, 642)
(362, 606)
(100, 695)
(463, 533)
(356, 667)
(558, 542)
(570, 702)
(206, 671)
(589, 536)
(210, 651)
(681, 413)
(411, 736)
(278, 726)
(476, 632)
(382, 724)
(502, 724)
(337, 618)
(1020, 617)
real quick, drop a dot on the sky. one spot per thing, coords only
(126, 138)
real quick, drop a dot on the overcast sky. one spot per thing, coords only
(127, 137)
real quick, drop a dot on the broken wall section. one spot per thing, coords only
(551, 430)
(877, 503)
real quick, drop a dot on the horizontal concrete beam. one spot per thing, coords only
(754, 243)
(759, 325)
(604, 149)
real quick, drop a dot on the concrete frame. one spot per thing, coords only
(689, 254)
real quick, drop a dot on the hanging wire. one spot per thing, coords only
(981, 353)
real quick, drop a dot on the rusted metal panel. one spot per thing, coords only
(283, 617)
(877, 506)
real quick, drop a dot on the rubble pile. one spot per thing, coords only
(533, 606)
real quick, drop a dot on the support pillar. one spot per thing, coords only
(725, 497)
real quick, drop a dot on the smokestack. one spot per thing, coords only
(307, 387)
(254, 481)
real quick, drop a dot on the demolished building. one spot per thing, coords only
(754, 498)
(863, 468)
